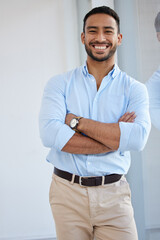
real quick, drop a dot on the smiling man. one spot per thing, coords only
(101, 48)
(90, 118)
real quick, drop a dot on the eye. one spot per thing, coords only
(92, 31)
(109, 32)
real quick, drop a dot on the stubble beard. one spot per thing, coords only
(105, 58)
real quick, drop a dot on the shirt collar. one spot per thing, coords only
(85, 69)
(113, 73)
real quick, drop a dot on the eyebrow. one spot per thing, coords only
(108, 27)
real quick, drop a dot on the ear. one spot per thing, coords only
(83, 37)
(119, 38)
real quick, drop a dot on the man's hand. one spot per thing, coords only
(128, 117)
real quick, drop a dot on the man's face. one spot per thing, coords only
(101, 37)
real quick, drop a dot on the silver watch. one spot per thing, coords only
(74, 123)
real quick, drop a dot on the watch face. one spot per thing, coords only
(73, 123)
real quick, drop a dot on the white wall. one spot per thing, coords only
(97, 3)
(33, 48)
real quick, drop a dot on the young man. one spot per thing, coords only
(153, 85)
(91, 118)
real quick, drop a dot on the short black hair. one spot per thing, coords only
(105, 10)
(157, 22)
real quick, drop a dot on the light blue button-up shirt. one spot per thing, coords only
(76, 92)
(153, 86)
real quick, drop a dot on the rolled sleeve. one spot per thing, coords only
(63, 136)
(134, 135)
(53, 130)
(125, 129)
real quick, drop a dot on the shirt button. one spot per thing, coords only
(88, 163)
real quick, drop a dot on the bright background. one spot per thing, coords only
(39, 39)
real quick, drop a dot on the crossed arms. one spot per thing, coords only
(101, 137)
(125, 135)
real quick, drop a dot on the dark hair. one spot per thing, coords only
(157, 22)
(105, 10)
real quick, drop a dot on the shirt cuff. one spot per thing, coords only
(63, 136)
(125, 129)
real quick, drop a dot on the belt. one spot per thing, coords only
(87, 181)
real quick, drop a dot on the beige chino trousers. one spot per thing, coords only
(87, 213)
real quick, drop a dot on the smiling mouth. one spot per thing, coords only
(100, 47)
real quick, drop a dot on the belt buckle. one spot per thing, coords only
(102, 183)
(80, 181)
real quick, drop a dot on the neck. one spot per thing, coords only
(100, 69)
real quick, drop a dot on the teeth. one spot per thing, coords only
(100, 47)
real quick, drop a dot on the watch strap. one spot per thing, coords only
(78, 118)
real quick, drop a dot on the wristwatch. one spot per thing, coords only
(74, 123)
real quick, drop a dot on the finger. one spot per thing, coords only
(131, 114)
(132, 118)
(128, 117)
(123, 117)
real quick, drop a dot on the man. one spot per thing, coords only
(91, 117)
(153, 85)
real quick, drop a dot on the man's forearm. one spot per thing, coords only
(80, 144)
(106, 133)
(102, 137)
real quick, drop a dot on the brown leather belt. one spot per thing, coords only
(87, 181)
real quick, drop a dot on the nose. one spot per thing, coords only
(100, 37)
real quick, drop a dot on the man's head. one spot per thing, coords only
(101, 34)
(157, 25)
(105, 10)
